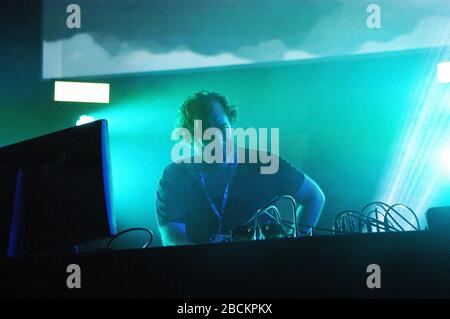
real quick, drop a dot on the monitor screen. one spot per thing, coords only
(62, 190)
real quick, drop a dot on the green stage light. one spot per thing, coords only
(419, 171)
(84, 119)
(81, 92)
(139, 137)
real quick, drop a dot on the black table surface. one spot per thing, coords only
(412, 265)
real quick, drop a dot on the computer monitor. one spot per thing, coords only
(438, 218)
(62, 191)
(8, 187)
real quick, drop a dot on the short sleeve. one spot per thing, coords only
(288, 178)
(170, 197)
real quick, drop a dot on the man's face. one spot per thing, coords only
(216, 119)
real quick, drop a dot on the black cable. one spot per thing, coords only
(365, 221)
(274, 201)
(392, 208)
(148, 231)
(340, 217)
(387, 214)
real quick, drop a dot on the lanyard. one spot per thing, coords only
(218, 213)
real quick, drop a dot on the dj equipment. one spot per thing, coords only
(267, 231)
(438, 218)
(373, 217)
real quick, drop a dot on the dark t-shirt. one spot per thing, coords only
(181, 197)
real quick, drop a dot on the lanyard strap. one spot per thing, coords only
(213, 206)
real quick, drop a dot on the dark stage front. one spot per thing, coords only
(412, 264)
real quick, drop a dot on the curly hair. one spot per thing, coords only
(198, 106)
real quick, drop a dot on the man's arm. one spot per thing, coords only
(174, 234)
(312, 200)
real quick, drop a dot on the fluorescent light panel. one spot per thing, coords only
(444, 72)
(81, 92)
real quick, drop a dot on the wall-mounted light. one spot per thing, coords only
(81, 92)
(443, 69)
(444, 158)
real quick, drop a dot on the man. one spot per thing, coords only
(197, 202)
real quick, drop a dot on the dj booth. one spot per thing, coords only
(55, 192)
(411, 264)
